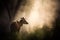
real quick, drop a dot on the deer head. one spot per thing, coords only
(21, 22)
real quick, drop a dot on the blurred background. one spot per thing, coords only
(43, 17)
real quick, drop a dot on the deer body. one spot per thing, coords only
(16, 26)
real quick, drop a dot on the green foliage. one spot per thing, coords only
(13, 36)
(39, 34)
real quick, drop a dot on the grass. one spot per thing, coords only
(39, 34)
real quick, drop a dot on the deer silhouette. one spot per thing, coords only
(16, 26)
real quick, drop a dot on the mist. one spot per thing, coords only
(38, 13)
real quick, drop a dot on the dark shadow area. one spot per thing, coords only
(56, 35)
(8, 9)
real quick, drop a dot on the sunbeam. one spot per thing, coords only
(38, 14)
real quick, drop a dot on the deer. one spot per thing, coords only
(16, 26)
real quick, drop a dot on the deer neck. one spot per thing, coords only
(19, 26)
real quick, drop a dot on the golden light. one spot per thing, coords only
(34, 17)
(38, 14)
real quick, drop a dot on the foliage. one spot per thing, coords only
(39, 34)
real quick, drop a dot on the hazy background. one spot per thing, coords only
(37, 13)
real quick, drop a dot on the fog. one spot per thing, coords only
(37, 13)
